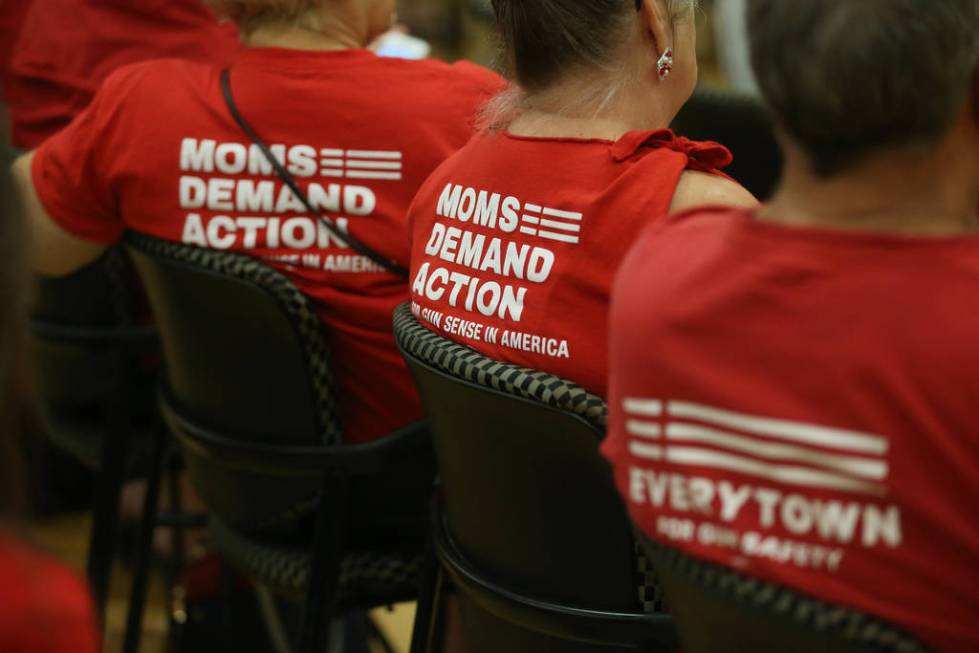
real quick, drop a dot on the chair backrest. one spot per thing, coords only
(246, 357)
(529, 499)
(742, 124)
(721, 611)
(74, 377)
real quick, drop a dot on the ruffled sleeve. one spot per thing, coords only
(704, 156)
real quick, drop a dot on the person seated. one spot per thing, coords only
(65, 50)
(517, 237)
(793, 388)
(158, 152)
(44, 607)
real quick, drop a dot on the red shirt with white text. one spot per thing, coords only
(800, 405)
(516, 241)
(157, 152)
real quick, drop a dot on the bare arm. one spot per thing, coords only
(55, 252)
(703, 189)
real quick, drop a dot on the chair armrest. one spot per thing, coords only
(130, 337)
(291, 460)
(562, 621)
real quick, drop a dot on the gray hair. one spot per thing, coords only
(848, 78)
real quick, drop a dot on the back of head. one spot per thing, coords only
(372, 17)
(247, 13)
(847, 79)
(545, 40)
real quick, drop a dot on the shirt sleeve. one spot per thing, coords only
(74, 171)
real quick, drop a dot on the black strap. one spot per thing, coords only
(388, 264)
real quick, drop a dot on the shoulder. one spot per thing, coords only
(697, 189)
(683, 237)
(478, 75)
(135, 94)
(462, 74)
(676, 259)
(158, 75)
(148, 71)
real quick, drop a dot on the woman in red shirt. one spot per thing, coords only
(67, 48)
(44, 608)
(517, 236)
(797, 400)
(158, 152)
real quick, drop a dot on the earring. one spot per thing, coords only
(665, 64)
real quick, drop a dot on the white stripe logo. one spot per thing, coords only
(361, 164)
(551, 224)
(795, 453)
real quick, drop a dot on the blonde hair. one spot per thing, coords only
(248, 13)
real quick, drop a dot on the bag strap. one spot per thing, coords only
(347, 239)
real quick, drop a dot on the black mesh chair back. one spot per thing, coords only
(86, 340)
(742, 124)
(94, 362)
(249, 395)
(246, 356)
(720, 611)
(528, 499)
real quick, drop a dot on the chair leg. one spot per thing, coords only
(428, 603)
(175, 497)
(326, 558)
(437, 633)
(137, 596)
(108, 487)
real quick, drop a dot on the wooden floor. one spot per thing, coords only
(67, 539)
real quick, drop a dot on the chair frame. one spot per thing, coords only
(335, 465)
(850, 630)
(446, 562)
(121, 343)
(568, 622)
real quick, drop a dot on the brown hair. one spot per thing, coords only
(545, 39)
(846, 79)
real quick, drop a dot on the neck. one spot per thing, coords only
(573, 110)
(332, 34)
(904, 193)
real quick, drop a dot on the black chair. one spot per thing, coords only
(742, 124)
(248, 394)
(532, 532)
(93, 362)
(721, 611)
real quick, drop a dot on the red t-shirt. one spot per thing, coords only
(516, 241)
(44, 608)
(68, 47)
(11, 18)
(158, 152)
(800, 405)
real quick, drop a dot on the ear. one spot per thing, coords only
(658, 25)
